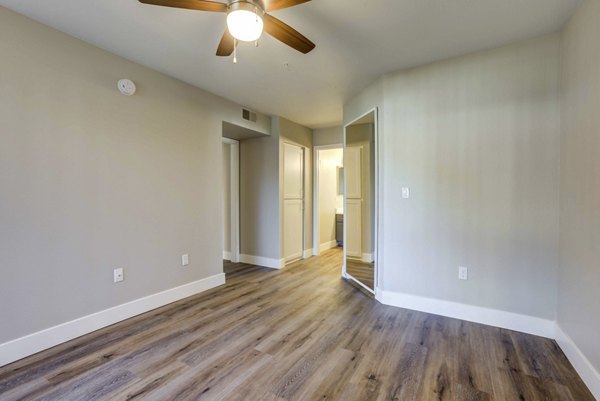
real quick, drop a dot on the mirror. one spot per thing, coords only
(360, 200)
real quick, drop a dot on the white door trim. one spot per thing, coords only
(234, 206)
(316, 221)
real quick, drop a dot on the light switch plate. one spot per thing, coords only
(185, 260)
(405, 192)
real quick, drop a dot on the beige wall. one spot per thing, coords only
(259, 197)
(359, 105)
(476, 139)
(579, 278)
(93, 180)
(329, 200)
(328, 136)
(289, 130)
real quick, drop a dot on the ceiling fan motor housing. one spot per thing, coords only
(249, 5)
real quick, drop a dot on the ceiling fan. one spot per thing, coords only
(246, 20)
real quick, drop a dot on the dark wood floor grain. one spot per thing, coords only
(300, 333)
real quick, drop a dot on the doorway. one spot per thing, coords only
(328, 217)
(231, 199)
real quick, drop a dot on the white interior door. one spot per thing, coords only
(354, 201)
(353, 167)
(293, 202)
(293, 167)
(293, 216)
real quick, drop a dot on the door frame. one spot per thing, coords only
(234, 192)
(376, 259)
(316, 216)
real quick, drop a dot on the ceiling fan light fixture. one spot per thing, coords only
(244, 22)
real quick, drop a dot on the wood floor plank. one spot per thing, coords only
(142, 388)
(333, 377)
(296, 376)
(299, 333)
(407, 374)
(474, 378)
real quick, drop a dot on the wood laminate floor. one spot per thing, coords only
(300, 333)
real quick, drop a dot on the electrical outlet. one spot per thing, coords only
(185, 260)
(463, 273)
(118, 275)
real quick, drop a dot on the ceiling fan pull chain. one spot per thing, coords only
(235, 42)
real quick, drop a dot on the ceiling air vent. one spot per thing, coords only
(248, 115)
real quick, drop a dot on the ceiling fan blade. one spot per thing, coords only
(272, 5)
(226, 45)
(286, 34)
(201, 5)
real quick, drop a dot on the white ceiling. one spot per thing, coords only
(357, 40)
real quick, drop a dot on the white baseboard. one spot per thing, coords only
(293, 258)
(508, 320)
(582, 365)
(367, 257)
(327, 245)
(262, 261)
(28, 345)
(226, 255)
(307, 253)
(471, 313)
